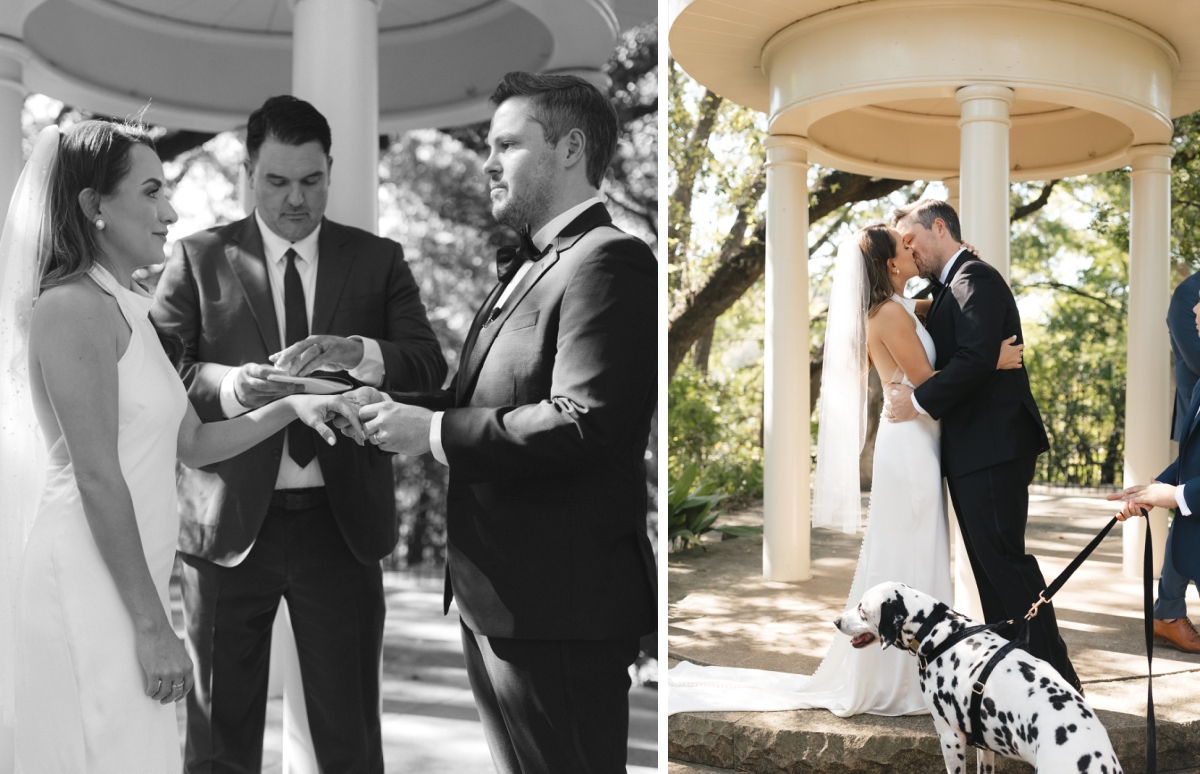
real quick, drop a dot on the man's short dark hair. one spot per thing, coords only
(565, 102)
(926, 212)
(288, 120)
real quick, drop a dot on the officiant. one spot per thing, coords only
(293, 517)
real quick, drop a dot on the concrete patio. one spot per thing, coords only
(430, 724)
(722, 612)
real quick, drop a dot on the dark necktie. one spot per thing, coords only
(301, 445)
(509, 259)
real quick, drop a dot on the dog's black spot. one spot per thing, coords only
(1044, 682)
(1026, 670)
(1058, 700)
(1084, 763)
(989, 708)
(892, 615)
(1061, 733)
(941, 679)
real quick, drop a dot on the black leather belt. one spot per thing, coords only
(299, 499)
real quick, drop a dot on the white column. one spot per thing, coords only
(1148, 394)
(12, 100)
(952, 196)
(983, 170)
(335, 66)
(786, 495)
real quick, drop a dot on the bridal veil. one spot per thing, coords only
(24, 249)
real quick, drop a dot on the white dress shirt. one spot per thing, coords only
(369, 371)
(942, 279)
(544, 236)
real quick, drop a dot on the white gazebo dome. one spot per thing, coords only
(206, 65)
(369, 66)
(872, 84)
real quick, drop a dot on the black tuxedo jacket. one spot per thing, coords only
(215, 293)
(988, 416)
(1185, 472)
(545, 430)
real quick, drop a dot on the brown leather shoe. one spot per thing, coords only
(1179, 633)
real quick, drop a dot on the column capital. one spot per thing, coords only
(984, 102)
(1150, 158)
(787, 149)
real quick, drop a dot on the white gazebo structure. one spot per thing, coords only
(975, 93)
(370, 66)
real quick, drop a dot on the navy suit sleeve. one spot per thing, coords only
(604, 371)
(977, 301)
(1182, 323)
(1170, 475)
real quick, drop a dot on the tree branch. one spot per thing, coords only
(736, 271)
(1054, 285)
(1025, 210)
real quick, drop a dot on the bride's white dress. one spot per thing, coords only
(80, 699)
(906, 541)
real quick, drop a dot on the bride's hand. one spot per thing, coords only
(1011, 354)
(316, 410)
(165, 664)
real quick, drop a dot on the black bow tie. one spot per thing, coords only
(936, 285)
(510, 257)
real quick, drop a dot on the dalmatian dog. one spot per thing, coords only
(1028, 711)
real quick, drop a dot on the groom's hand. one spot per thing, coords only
(397, 427)
(319, 353)
(898, 405)
(363, 396)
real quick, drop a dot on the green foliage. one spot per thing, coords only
(715, 419)
(1070, 262)
(690, 514)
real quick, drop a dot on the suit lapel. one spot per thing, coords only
(475, 352)
(937, 302)
(333, 266)
(246, 258)
(483, 342)
(469, 346)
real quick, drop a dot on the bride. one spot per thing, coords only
(906, 537)
(97, 662)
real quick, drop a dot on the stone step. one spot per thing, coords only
(818, 742)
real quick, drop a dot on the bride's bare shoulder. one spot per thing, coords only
(889, 311)
(76, 309)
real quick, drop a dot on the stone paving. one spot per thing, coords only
(430, 724)
(722, 612)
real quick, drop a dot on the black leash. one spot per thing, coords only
(1148, 604)
(975, 737)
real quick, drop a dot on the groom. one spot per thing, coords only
(992, 430)
(544, 431)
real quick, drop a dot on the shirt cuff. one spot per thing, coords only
(370, 369)
(917, 406)
(230, 405)
(435, 438)
(1184, 510)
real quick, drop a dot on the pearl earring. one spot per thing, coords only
(99, 224)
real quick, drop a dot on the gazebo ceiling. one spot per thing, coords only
(872, 83)
(205, 64)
